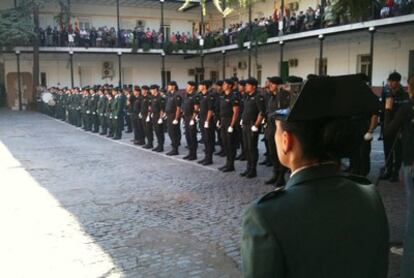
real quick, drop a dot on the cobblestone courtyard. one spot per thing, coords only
(76, 204)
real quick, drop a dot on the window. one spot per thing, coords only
(84, 23)
(199, 75)
(43, 80)
(363, 64)
(324, 66)
(214, 76)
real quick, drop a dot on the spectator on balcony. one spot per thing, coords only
(173, 38)
(329, 18)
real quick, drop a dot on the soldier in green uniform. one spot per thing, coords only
(117, 114)
(102, 104)
(84, 108)
(322, 224)
(109, 108)
(94, 98)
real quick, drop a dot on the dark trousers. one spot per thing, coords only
(207, 135)
(88, 121)
(251, 139)
(128, 122)
(118, 123)
(77, 118)
(394, 156)
(278, 169)
(191, 136)
(110, 126)
(239, 139)
(148, 129)
(360, 161)
(102, 122)
(159, 132)
(138, 129)
(218, 133)
(173, 131)
(229, 141)
(95, 122)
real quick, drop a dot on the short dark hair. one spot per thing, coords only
(326, 139)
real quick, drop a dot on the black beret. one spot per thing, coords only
(294, 79)
(219, 83)
(275, 80)
(229, 81)
(173, 83)
(242, 82)
(154, 86)
(206, 83)
(395, 76)
(192, 83)
(252, 81)
(145, 87)
(331, 97)
(235, 79)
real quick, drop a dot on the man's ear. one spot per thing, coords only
(287, 142)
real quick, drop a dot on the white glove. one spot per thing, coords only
(148, 118)
(218, 125)
(230, 129)
(175, 122)
(164, 116)
(140, 115)
(88, 112)
(206, 125)
(263, 121)
(241, 122)
(254, 128)
(159, 121)
(368, 136)
(116, 117)
(192, 122)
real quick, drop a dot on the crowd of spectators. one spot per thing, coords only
(293, 22)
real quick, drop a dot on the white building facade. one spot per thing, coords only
(346, 49)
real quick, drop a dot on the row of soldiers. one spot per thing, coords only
(229, 113)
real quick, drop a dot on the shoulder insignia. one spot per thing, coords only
(271, 195)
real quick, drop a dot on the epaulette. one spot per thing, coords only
(358, 179)
(271, 194)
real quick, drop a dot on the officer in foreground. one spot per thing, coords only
(322, 224)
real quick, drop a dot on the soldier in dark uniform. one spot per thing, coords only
(190, 106)
(146, 117)
(322, 224)
(393, 165)
(252, 117)
(157, 114)
(218, 91)
(94, 114)
(239, 130)
(279, 99)
(136, 118)
(102, 104)
(229, 114)
(173, 112)
(206, 114)
(403, 122)
(130, 99)
(77, 107)
(266, 94)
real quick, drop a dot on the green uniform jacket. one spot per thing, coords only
(102, 103)
(322, 225)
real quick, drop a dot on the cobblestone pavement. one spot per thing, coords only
(129, 212)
